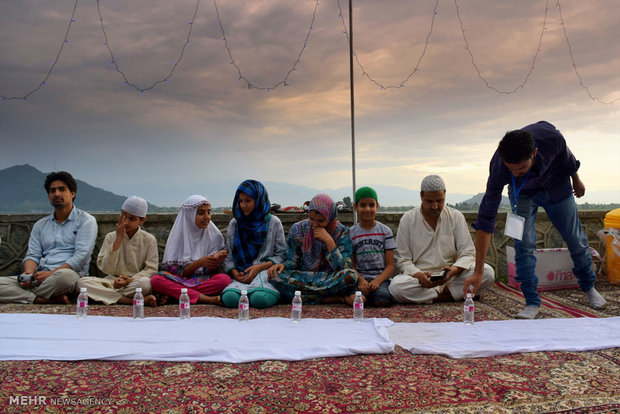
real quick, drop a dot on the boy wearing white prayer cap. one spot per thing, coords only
(434, 250)
(129, 258)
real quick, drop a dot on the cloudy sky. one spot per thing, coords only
(206, 127)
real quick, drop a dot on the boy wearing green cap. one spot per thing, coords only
(373, 250)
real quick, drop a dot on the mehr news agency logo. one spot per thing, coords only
(67, 401)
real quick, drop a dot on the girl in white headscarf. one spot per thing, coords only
(194, 251)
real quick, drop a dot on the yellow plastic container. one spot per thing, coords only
(612, 246)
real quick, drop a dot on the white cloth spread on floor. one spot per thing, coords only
(63, 337)
(488, 338)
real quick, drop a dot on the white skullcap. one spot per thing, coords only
(432, 183)
(136, 206)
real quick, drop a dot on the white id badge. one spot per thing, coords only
(514, 226)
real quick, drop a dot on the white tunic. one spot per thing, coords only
(419, 248)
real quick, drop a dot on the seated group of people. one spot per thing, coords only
(433, 251)
(321, 257)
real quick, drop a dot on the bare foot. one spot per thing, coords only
(210, 300)
(163, 299)
(40, 301)
(59, 300)
(348, 300)
(151, 301)
(444, 296)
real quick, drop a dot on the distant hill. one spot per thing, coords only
(477, 199)
(473, 203)
(21, 192)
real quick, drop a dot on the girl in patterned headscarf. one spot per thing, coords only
(194, 251)
(255, 243)
(318, 257)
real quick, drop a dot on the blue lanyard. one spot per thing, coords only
(516, 192)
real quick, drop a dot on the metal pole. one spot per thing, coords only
(351, 80)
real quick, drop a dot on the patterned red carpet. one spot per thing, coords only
(542, 382)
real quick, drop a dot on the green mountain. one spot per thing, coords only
(22, 192)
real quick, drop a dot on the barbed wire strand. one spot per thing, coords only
(54, 62)
(242, 77)
(572, 58)
(473, 60)
(114, 61)
(416, 67)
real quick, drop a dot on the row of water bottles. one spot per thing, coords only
(244, 306)
(138, 304)
(184, 306)
(358, 308)
(296, 307)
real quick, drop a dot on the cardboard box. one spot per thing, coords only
(554, 268)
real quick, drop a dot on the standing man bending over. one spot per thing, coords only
(434, 250)
(537, 165)
(59, 249)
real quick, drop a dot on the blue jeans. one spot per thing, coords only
(380, 297)
(563, 215)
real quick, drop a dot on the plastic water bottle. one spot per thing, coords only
(468, 310)
(296, 307)
(358, 307)
(82, 304)
(138, 304)
(244, 306)
(184, 304)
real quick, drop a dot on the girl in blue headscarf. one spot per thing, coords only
(255, 242)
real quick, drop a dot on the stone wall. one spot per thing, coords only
(15, 230)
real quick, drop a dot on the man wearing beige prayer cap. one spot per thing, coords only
(434, 250)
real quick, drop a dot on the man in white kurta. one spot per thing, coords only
(431, 240)
(128, 256)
